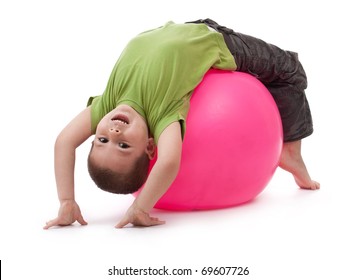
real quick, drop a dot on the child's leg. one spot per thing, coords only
(281, 72)
(283, 75)
(297, 124)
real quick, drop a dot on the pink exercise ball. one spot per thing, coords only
(232, 144)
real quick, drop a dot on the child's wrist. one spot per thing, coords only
(140, 207)
(66, 200)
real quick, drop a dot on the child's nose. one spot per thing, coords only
(114, 130)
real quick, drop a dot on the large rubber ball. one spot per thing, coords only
(232, 144)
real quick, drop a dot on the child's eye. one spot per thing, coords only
(123, 145)
(103, 140)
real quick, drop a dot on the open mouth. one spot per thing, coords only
(121, 119)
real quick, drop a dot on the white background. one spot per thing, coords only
(54, 54)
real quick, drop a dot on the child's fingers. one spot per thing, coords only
(156, 222)
(81, 221)
(123, 223)
(51, 223)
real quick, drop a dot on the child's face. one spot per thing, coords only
(121, 137)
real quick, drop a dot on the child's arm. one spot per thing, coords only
(161, 177)
(72, 136)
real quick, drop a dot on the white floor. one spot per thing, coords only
(56, 55)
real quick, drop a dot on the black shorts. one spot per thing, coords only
(280, 71)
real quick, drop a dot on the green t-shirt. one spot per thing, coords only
(158, 71)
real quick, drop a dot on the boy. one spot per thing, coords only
(145, 104)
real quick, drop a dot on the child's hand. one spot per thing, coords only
(68, 213)
(138, 217)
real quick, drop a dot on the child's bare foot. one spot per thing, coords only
(292, 161)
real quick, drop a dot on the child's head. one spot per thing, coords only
(119, 158)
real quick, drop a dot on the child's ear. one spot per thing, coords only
(151, 148)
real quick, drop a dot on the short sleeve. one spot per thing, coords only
(96, 111)
(179, 116)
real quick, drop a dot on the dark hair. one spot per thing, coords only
(120, 183)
